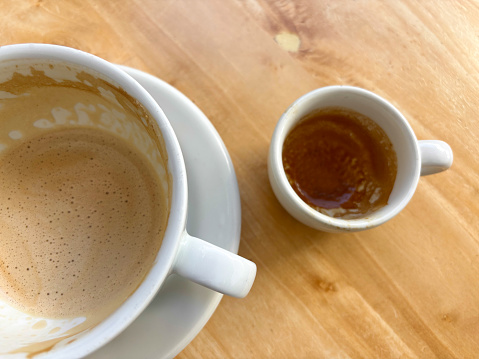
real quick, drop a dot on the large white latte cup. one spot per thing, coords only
(180, 253)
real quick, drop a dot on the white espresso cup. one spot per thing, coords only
(180, 253)
(414, 158)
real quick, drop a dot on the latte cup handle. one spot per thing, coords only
(214, 267)
(436, 156)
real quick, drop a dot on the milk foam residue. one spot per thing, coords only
(84, 200)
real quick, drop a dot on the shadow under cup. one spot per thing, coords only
(397, 129)
(22, 334)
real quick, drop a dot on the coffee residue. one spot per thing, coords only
(81, 222)
(85, 198)
(340, 163)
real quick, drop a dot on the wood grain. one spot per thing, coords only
(407, 289)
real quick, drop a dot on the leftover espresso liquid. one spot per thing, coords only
(340, 163)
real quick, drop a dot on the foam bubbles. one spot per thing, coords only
(43, 123)
(15, 135)
(81, 220)
(5, 95)
(108, 95)
(60, 115)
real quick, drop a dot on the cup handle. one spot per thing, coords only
(214, 267)
(436, 156)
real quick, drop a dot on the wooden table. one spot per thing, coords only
(407, 289)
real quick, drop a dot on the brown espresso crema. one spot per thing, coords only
(82, 208)
(340, 163)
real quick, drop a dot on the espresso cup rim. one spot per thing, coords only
(171, 242)
(291, 200)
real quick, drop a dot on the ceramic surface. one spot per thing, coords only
(414, 157)
(182, 308)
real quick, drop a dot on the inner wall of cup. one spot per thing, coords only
(18, 329)
(142, 133)
(403, 140)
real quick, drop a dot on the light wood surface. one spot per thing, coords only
(408, 289)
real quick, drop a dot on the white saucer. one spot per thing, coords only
(182, 308)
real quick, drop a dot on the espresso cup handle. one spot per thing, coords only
(214, 267)
(436, 156)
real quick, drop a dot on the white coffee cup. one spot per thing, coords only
(415, 158)
(180, 253)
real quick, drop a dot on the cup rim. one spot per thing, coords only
(294, 204)
(176, 224)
